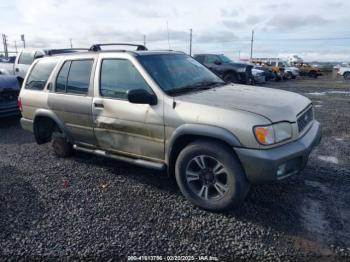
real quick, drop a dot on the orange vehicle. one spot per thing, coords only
(308, 70)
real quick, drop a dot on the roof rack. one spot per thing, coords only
(97, 47)
(64, 50)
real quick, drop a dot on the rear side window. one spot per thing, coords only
(26, 58)
(40, 73)
(199, 58)
(118, 76)
(74, 77)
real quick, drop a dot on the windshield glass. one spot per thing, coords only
(225, 59)
(178, 72)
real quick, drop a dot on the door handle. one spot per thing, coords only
(17, 69)
(98, 105)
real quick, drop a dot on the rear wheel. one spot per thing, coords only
(347, 76)
(231, 78)
(313, 74)
(60, 145)
(210, 176)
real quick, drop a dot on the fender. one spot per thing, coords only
(200, 130)
(49, 114)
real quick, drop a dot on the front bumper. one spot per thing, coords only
(9, 109)
(262, 166)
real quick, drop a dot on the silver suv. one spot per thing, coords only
(164, 110)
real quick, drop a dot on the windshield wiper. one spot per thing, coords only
(199, 86)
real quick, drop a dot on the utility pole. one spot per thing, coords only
(144, 40)
(71, 44)
(251, 47)
(239, 55)
(191, 42)
(24, 41)
(16, 47)
(4, 40)
(167, 29)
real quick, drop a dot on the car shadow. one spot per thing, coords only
(19, 202)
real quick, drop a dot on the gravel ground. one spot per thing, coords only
(88, 206)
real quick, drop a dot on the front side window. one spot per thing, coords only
(74, 77)
(26, 58)
(118, 76)
(176, 73)
(225, 59)
(40, 74)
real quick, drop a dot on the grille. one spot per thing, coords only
(9, 95)
(305, 119)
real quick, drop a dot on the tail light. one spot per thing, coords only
(20, 106)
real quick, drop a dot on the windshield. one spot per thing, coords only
(225, 59)
(178, 73)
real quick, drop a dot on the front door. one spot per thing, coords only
(120, 126)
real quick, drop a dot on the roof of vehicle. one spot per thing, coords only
(134, 53)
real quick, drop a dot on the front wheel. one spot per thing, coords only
(210, 176)
(231, 78)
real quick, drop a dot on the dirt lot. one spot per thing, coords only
(87, 206)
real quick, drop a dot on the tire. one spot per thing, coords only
(347, 76)
(231, 78)
(289, 75)
(210, 176)
(61, 147)
(313, 74)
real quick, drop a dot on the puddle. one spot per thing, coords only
(330, 93)
(330, 159)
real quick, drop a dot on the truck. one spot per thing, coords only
(344, 71)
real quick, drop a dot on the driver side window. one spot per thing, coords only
(118, 76)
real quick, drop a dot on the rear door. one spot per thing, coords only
(71, 98)
(120, 126)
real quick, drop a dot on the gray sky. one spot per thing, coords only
(313, 29)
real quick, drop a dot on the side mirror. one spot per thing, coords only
(141, 96)
(217, 62)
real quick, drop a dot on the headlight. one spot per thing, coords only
(268, 135)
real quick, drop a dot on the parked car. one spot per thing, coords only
(26, 57)
(165, 110)
(225, 68)
(345, 72)
(290, 72)
(269, 75)
(9, 91)
(259, 76)
(307, 70)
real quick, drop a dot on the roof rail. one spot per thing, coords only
(64, 50)
(97, 47)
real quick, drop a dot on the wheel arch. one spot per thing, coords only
(43, 124)
(188, 133)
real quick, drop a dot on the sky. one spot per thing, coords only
(316, 30)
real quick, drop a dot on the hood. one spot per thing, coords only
(273, 104)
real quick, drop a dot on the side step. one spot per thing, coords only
(134, 161)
